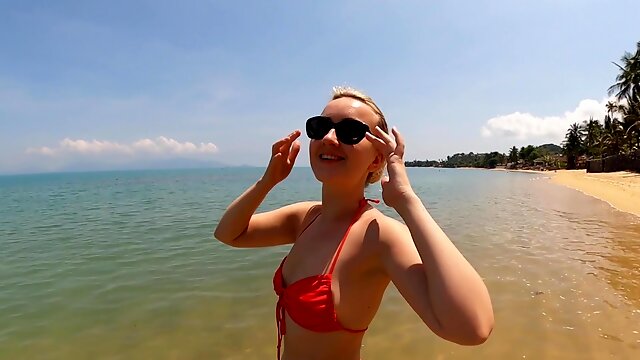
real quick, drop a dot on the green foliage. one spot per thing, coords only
(420, 163)
(479, 160)
(592, 132)
(572, 146)
(525, 153)
(618, 134)
(549, 149)
(627, 84)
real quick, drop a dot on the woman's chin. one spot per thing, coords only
(327, 176)
(332, 177)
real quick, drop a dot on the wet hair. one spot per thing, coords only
(345, 91)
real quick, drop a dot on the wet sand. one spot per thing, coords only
(620, 189)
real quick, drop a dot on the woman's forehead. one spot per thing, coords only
(349, 107)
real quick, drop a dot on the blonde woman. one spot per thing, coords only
(345, 252)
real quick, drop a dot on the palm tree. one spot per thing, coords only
(550, 161)
(612, 108)
(627, 84)
(627, 92)
(513, 155)
(612, 136)
(572, 145)
(591, 132)
(632, 125)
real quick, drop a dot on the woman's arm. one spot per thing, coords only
(240, 227)
(435, 278)
(430, 272)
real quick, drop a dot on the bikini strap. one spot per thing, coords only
(309, 224)
(363, 204)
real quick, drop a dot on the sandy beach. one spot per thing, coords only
(620, 189)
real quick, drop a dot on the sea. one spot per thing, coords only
(123, 265)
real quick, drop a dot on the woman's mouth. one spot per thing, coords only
(330, 157)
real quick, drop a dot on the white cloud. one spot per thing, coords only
(158, 147)
(525, 126)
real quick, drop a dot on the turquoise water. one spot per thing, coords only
(122, 265)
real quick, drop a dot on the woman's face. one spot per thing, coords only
(335, 162)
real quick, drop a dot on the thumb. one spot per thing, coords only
(384, 180)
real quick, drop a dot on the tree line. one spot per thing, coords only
(526, 156)
(617, 135)
(619, 132)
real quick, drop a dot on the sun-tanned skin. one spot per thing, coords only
(430, 273)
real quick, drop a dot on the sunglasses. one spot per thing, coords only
(348, 131)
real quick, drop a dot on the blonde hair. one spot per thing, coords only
(345, 91)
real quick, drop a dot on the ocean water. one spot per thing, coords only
(123, 265)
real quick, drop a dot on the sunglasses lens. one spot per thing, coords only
(350, 131)
(318, 127)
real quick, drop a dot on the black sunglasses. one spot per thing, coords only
(348, 131)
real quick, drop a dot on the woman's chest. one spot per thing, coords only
(330, 252)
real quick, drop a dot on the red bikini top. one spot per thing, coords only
(309, 301)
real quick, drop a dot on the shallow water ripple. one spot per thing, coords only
(122, 265)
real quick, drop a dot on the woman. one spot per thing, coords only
(344, 251)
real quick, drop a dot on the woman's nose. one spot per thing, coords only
(331, 138)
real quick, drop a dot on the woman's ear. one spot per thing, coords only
(377, 163)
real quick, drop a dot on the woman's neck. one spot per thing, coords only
(339, 202)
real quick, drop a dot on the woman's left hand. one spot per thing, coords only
(396, 187)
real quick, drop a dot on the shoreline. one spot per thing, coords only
(619, 189)
(500, 169)
(522, 171)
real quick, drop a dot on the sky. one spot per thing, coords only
(88, 85)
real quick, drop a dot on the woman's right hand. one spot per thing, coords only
(283, 156)
(240, 226)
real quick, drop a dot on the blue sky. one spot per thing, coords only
(121, 84)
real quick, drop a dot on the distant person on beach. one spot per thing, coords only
(345, 252)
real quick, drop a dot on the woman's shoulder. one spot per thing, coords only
(384, 219)
(292, 214)
(304, 209)
(388, 228)
(303, 206)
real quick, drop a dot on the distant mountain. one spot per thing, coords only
(549, 149)
(175, 163)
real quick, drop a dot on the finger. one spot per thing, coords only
(294, 135)
(286, 141)
(284, 150)
(384, 180)
(389, 141)
(389, 147)
(291, 137)
(378, 143)
(399, 142)
(292, 145)
(293, 154)
(275, 148)
(279, 145)
(383, 135)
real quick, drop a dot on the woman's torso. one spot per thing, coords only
(358, 283)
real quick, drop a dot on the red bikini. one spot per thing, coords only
(309, 301)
